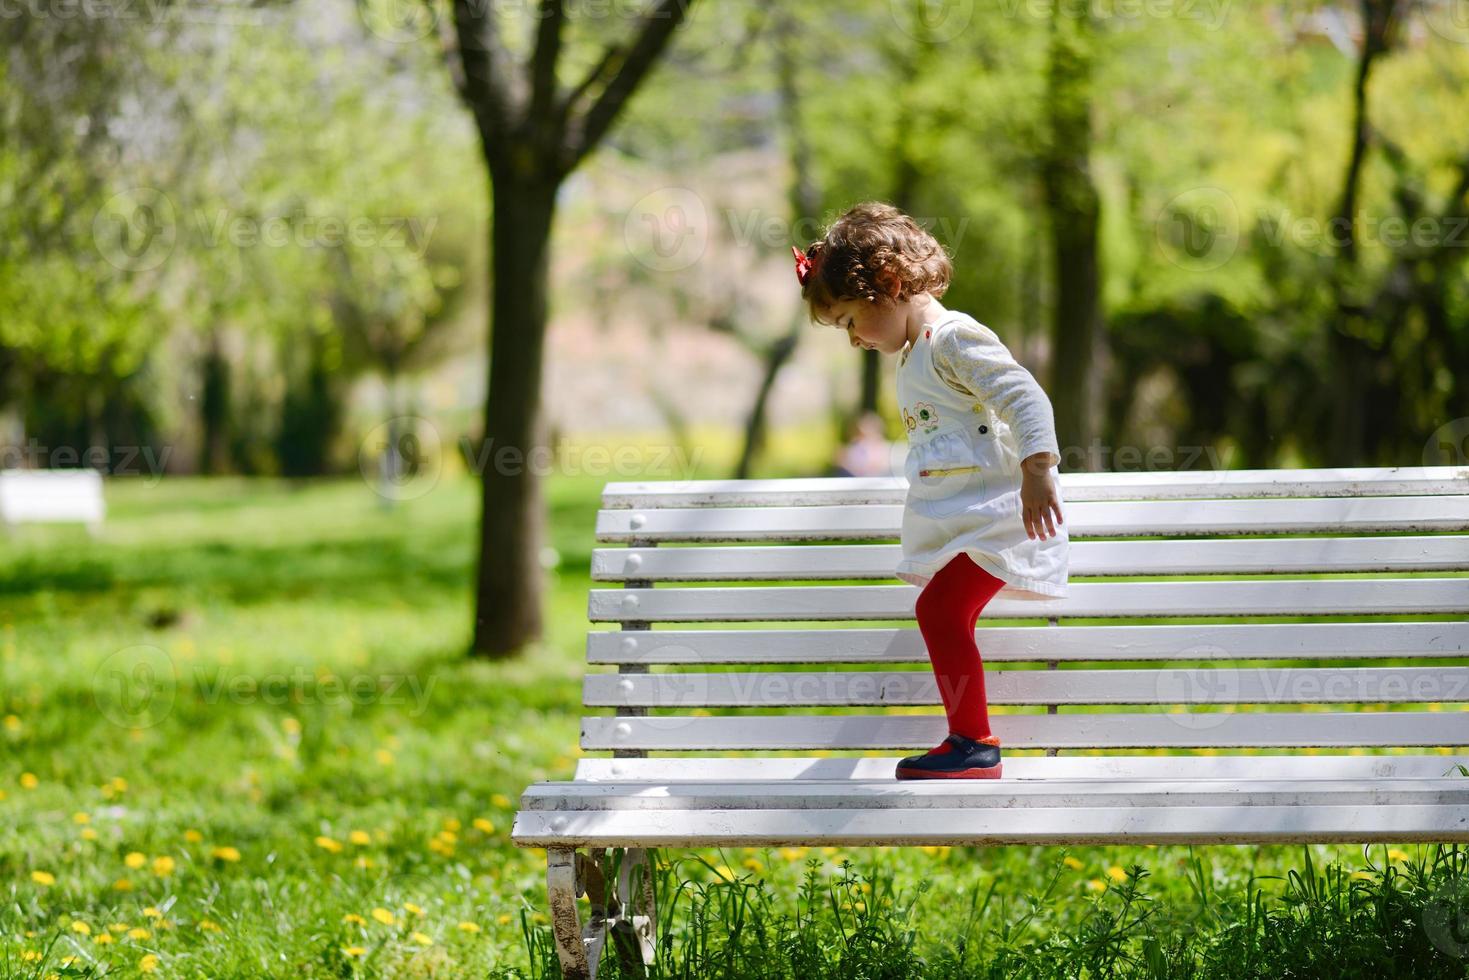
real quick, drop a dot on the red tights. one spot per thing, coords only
(947, 609)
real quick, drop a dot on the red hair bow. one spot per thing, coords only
(803, 265)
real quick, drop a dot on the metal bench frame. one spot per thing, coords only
(1282, 524)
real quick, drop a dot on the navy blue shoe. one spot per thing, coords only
(956, 757)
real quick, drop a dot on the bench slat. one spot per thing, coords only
(1145, 518)
(1232, 685)
(1422, 553)
(1291, 597)
(1390, 823)
(990, 794)
(1211, 641)
(1260, 729)
(1101, 767)
(1147, 485)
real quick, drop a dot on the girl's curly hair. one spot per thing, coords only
(872, 246)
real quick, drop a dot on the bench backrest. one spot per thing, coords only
(1230, 653)
(51, 496)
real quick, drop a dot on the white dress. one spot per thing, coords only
(972, 413)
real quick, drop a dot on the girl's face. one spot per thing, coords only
(870, 325)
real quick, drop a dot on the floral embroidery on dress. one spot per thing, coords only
(924, 416)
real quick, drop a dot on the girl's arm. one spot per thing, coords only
(970, 358)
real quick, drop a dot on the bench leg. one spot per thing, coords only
(634, 929)
(633, 919)
(578, 949)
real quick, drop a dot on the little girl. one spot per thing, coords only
(981, 465)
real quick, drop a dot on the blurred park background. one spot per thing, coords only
(358, 305)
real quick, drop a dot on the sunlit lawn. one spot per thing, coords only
(326, 787)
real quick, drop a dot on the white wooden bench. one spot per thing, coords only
(1053, 681)
(52, 496)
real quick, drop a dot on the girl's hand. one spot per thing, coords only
(1038, 498)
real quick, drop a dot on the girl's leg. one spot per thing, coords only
(947, 610)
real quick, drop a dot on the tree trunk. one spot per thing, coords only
(1074, 210)
(1353, 355)
(515, 453)
(214, 409)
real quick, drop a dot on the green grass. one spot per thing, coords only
(260, 690)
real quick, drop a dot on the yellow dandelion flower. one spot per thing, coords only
(152, 913)
(410, 907)
(352, 918)
(383, 757)
(1361, 875)
(447, 836)
(383, 915)
(503, 919)
(230, 854)
(81, 928)
(81, 818)
(753, 864)
(1072, 863)
(193, 836)
(139, 933)
(135, 860)
(422, 939)
(793, 853)
(43, 878)
(122, 885)
(163, 866)
(102, 939)
(725, 872)
(1096, 884)
(467, 927)
(207, 925)
(829, 851)
(500, 800)
(1393, 854)
(354, 951)
(30, 956)
(483, 825)
(360, 837)
(540, 917)
(928, 849)
(148, 964)
(290, 726)
(28, 780)
(88, 833)
(363, 862)
(119, 784)
(452, 823)
(327, 844)
(119, 927)
(1116, 874)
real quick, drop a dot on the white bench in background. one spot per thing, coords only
(1378, 522)
(52, 496)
